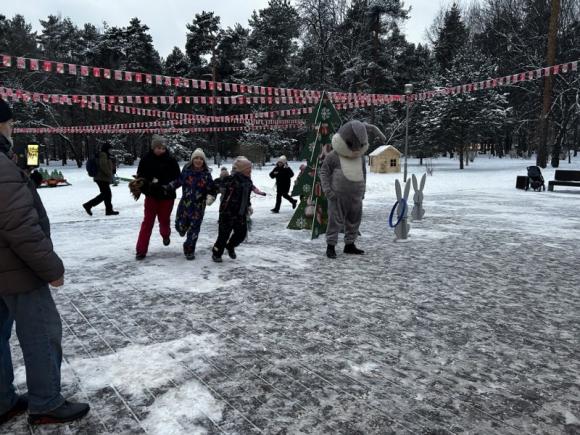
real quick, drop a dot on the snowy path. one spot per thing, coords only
(470, 326)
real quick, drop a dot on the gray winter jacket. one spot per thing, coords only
(27, 258)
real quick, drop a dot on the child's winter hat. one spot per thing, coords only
(198, 153)
(282, 159)
(224, 171)
(5, 111)
(158, 141)
(240, 164)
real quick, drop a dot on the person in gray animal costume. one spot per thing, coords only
(343, 179)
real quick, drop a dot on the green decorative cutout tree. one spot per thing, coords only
(312, 212)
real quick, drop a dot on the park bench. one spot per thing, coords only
(564, 178)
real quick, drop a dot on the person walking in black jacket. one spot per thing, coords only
(283, 175)
(104, 179)
(158, 168)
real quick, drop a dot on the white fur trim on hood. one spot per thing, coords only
(350, 161)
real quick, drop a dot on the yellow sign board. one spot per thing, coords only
(32, 154)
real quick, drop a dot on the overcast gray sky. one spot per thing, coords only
(167, 18)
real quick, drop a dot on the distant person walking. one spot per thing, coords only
(283, 176)
(104, 179)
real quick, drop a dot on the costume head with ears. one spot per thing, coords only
(352, 139)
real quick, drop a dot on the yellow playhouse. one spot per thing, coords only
(385, 159)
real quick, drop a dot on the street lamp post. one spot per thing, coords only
(408, 92)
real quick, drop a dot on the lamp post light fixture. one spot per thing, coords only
(408, 92)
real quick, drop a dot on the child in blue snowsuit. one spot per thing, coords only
(197, 191)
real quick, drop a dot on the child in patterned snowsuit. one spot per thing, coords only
(198, 190)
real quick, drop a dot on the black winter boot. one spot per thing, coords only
(231, 252)
(68, 411)
(352, 249)
(330, 251)
(18, 408)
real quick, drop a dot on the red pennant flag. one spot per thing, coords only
(128, 76)
(106, 73)
(138, 77)
(167, 81)
(84, 70)
(34, 64)
(47, 66)
(177, 82)
(6, 61)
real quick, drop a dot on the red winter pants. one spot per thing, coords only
(160, 208)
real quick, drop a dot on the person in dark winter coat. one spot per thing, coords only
(104, 179)
(283, 175)
(157, 169)
(234, 208)
(28, 264)
(197, 191)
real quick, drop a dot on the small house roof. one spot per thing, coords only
(382, 149)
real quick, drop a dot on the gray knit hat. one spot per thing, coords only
(158, 141)
(198, 153)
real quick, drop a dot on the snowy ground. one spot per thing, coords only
(471, 326)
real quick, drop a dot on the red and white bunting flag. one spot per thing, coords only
(148, 79)
(47, 66)
(84, 70)
(128, 76)
(33, 64)
(6, 61)
(60, 68)
(20, 63)
(106, 73)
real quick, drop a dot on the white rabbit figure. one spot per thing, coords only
(418, 210)
(403, 228)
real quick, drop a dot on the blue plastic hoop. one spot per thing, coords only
(401, 216)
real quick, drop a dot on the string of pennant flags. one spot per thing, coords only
(189, 100)
(508, 80)
(51, 66)
(153, 130)
(265, 96)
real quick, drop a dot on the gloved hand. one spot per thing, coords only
(167, 189)
(250, 211)
(209, 200)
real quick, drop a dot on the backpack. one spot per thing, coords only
(93, 165)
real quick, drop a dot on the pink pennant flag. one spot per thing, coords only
(34, 64)
(167, 81)
(60, 68)
(148, 79)
(20, 63)
(158, 80)
(118, 75)
(6, 61)
(128, 76)
(202, 84)
(84, 70)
